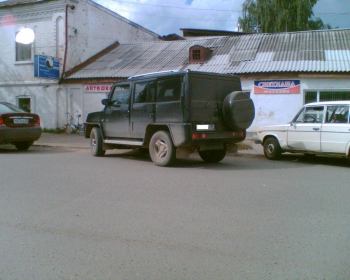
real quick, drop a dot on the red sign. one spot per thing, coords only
(277, 87)
(97, 88)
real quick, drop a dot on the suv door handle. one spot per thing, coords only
(316, 128)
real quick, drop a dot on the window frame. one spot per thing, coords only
(319, 92)
(337, 105)
(148, 85)
(180, 78)
(113, 92)
(29, 61)
(18, 98)
(302, 111)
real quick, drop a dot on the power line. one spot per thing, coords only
(176, 7)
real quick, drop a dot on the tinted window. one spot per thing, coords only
(121, 95)
(144, 92)
(9, 108)
(337, 114)
(169, 90)
(311, 115)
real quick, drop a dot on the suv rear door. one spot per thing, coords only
(168, 100)
(143, 107)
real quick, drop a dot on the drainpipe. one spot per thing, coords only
(66, 38)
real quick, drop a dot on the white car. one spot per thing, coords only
(319, 128)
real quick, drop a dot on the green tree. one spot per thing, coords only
(279, 16)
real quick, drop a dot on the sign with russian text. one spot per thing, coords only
(97, 88)
(277, 87)
(46, 67)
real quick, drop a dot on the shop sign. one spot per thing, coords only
(46, 67)
(97, 88)
(277, 87)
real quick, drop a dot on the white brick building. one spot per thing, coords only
(70, 30)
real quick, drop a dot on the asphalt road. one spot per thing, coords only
(67, 215)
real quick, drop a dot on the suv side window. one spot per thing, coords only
(337, 114)
(144, 92)
(121, 95)
(311, 115)
(169, 89)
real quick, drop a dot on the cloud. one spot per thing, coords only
(168, 17)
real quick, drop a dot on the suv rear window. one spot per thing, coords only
(169, 89)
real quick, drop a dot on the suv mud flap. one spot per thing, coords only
(180, 134)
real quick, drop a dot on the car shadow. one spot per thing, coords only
(231, 162)
(319, 160)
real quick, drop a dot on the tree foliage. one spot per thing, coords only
(270, 16)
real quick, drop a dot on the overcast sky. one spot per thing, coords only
(168, 16)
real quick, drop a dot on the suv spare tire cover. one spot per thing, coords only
(238, 110)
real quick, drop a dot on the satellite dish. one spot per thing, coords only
(25, 36)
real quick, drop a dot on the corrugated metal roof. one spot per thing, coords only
(309, 51)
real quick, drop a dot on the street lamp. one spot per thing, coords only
(25, 36)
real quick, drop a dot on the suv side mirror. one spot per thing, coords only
(106, 102)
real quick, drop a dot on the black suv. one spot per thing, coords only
(165, 111)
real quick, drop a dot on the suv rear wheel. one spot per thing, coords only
(96, 142)
(161, 149)
(212, 156)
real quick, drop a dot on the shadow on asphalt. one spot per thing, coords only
(9, 149)
(319, 160)
(238, 162)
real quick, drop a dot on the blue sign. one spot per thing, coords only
(46, 67)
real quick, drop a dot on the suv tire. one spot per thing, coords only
(238, 110)
(96, 142)
(213, 156)
(23, 146)
(272, 148)
(161, 149)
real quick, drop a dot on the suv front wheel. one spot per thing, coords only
(96, 142)
(161, 149)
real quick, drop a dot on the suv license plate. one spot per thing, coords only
(20, 121)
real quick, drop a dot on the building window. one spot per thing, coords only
(24, 103)
(23, 52)
(326, 95)
(196, 54)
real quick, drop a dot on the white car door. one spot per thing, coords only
(304, 133)
(335, 133)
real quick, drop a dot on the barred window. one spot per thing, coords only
(329, 95)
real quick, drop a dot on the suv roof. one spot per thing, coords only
(173, 73)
